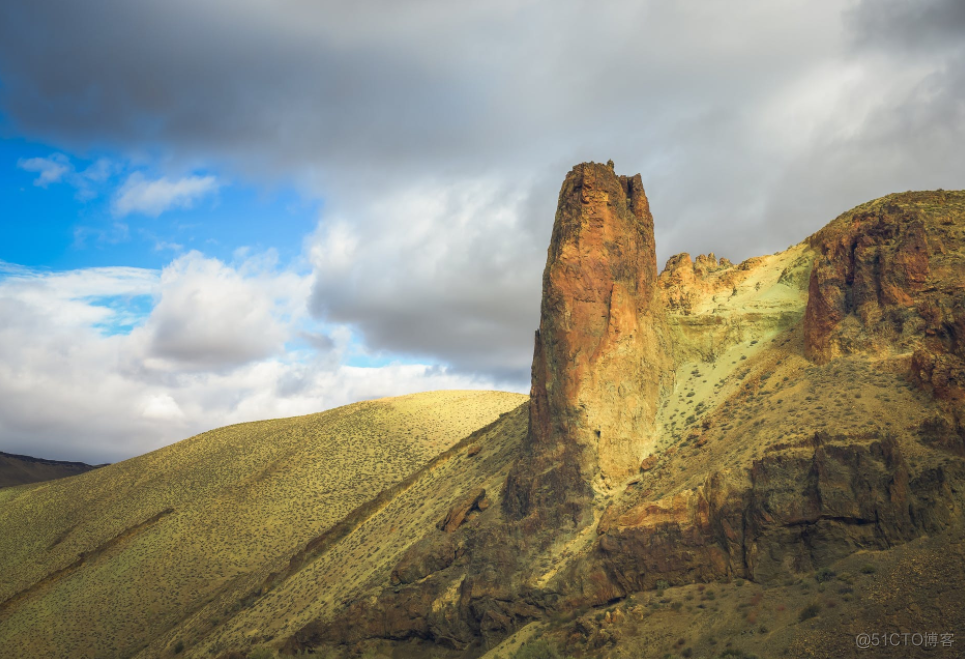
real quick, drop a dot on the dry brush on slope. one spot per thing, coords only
(108, 563)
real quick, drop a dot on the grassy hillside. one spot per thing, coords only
(358, 561)
(103, 564)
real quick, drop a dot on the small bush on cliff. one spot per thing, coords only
(538, 649)
(824, 574)
(734, 653)
(809, 612)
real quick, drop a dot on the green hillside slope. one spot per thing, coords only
(104, 564)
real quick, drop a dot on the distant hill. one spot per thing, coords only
(23, 469)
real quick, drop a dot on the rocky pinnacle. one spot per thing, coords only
(598, 361)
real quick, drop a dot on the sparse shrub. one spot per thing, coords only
(262, 653)
(824, 574)
(809, 612)
(179, 647)
(537, 649)
(868, 568)
(738, 582)
(734, 653)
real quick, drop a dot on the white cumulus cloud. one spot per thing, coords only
(152, 197)
(211, 315)
(58, 168)
(49, 170)
(162, 407)
(210, 350)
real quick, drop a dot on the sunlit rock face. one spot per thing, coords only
(599, 359)
(888, 280)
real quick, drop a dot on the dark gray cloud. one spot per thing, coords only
(438, 132)
(903, 25)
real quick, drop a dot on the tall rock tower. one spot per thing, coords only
(598, 360)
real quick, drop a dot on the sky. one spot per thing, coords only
(214, 212)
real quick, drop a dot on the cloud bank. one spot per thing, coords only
(437, 134)
(82, 380)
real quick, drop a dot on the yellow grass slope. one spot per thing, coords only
(107, 563)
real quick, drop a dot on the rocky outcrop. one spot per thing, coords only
(598, 359)
(881, 277)
(428, 556)
(889, 277)
(475, 501)
(794, 511)
(938, 363)
(649, 463)
(685, 281)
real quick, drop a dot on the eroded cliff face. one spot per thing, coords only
(600, 355)
(889, 279)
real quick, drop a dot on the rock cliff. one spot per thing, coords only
(600, 357)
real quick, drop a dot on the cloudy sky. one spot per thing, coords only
(216, 211)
